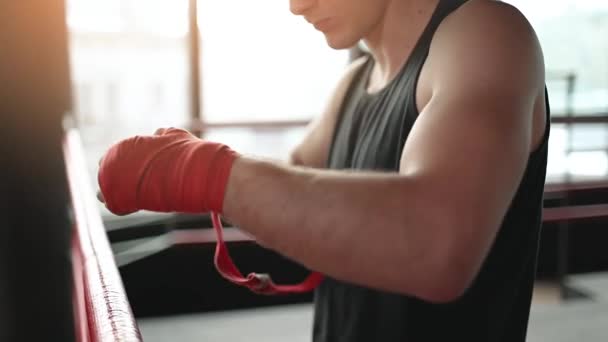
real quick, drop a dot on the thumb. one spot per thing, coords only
(100, 196)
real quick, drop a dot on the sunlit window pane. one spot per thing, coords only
(579, 150)
(574, 36)
(129, 68)
(260, 62)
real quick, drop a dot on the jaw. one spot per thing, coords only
(340, 44)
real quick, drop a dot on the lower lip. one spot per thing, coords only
(323, 25)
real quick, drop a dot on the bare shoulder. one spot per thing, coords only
(488, 40)
(489, 27)
(313, 150)
(486, 55)
(351, 71)
(489, 13)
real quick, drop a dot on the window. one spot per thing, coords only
(261, 63)
(84, 103)
(132, 73)
(574, 37)
(123, 52)
(112, 101)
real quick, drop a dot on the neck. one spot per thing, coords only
(393, 38)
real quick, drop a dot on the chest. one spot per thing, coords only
(373, 128)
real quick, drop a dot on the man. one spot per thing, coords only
(435, 237)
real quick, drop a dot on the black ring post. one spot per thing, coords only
(35, 229)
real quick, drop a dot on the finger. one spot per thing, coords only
(176, 131)
(100, 197)
(160, 131)
(121, 213)
(113, 210)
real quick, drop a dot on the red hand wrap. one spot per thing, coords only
(258, 283)
(172, 171)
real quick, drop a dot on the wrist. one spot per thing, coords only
(230, 201)
(220, 169)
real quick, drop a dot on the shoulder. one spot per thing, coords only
(313, 151)
(487, 26)
(485, 40)
(488, 14)
(352, 70)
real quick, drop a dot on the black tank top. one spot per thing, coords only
(370, 135)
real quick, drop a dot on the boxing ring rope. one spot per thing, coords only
(562, 188)
(576, 212)
(101, 308)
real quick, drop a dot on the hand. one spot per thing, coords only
(170, 171)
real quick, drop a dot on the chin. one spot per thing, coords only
(337, 42)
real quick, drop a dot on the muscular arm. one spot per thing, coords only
(426, 230)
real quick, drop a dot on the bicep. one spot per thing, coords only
(472, 154)
(471, 143)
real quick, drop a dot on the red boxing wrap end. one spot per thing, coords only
(172, 171)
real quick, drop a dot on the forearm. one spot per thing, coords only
(361, 228)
